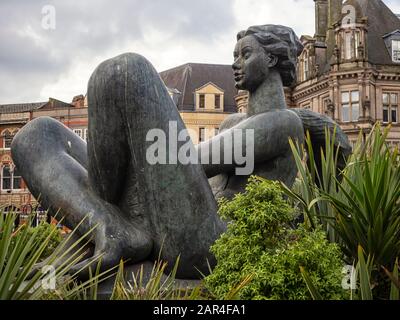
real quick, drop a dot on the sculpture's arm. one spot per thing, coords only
(264, 136)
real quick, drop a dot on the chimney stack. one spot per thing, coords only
(335, 11)
(334, 16)
(321, 20)
(78, 101)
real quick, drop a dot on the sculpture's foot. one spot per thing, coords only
(115, 239)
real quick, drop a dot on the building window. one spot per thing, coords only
(216, 131)
(390, 106)
(306, 66)
(82, 133)
(357, 42)
(350, 106)
(217, 101)
(8, 137)
(393, 144)
(396, 50)
(17, 179)
(202, 101)
(6, 178)
(10, 180)
(78, 132)
(347, 45)
(202, 134)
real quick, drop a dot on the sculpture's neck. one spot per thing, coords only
(268, 96)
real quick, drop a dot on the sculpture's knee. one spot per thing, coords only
(33, 135)
(123, 80)
(40, 139)
(124, 69)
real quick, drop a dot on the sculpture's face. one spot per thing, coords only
(251, 65)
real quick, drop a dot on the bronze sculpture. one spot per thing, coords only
(143, 209)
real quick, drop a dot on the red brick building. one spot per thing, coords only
(14, 195)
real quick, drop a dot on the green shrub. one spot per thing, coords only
(361, 209)
(45, 230)
(260, 242)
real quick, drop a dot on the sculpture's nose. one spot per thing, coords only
(235, 65)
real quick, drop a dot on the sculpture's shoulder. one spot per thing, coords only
(279, 118)
(232, 120)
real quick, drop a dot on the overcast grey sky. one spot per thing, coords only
(38, 63)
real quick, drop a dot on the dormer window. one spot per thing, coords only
(209, 98)
(202, 101)
(396, 51)
(392, 42)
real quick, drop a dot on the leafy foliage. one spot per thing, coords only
(21, 250)
(363, 284)
(260, 242)
(360, 209)
(159, 286)
(42, 231)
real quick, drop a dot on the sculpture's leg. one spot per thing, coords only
(174, 201)
(53, 161)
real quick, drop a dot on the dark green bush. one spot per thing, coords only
(44, 230)
(260, 242)
(41, 233)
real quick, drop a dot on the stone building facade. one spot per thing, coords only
(350, 68)
(204, 95)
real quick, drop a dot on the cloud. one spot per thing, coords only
(40, 63)
(36, 63)
(298, 14)
(394, 5)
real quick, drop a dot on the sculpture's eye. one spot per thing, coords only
(247, 54)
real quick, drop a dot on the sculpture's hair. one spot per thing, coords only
(281, 42)
(317, 125)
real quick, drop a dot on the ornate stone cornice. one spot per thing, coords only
(389, 76)
(314, 87)
(202, 122)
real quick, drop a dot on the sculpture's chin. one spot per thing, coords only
(239, 86)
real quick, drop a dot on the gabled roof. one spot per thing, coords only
(56, 104)
(210, 84)
(21, 107)
(188, 77)
(381, 21)
(391, 33)
(28, 107)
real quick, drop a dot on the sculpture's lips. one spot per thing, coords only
(238, 76)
